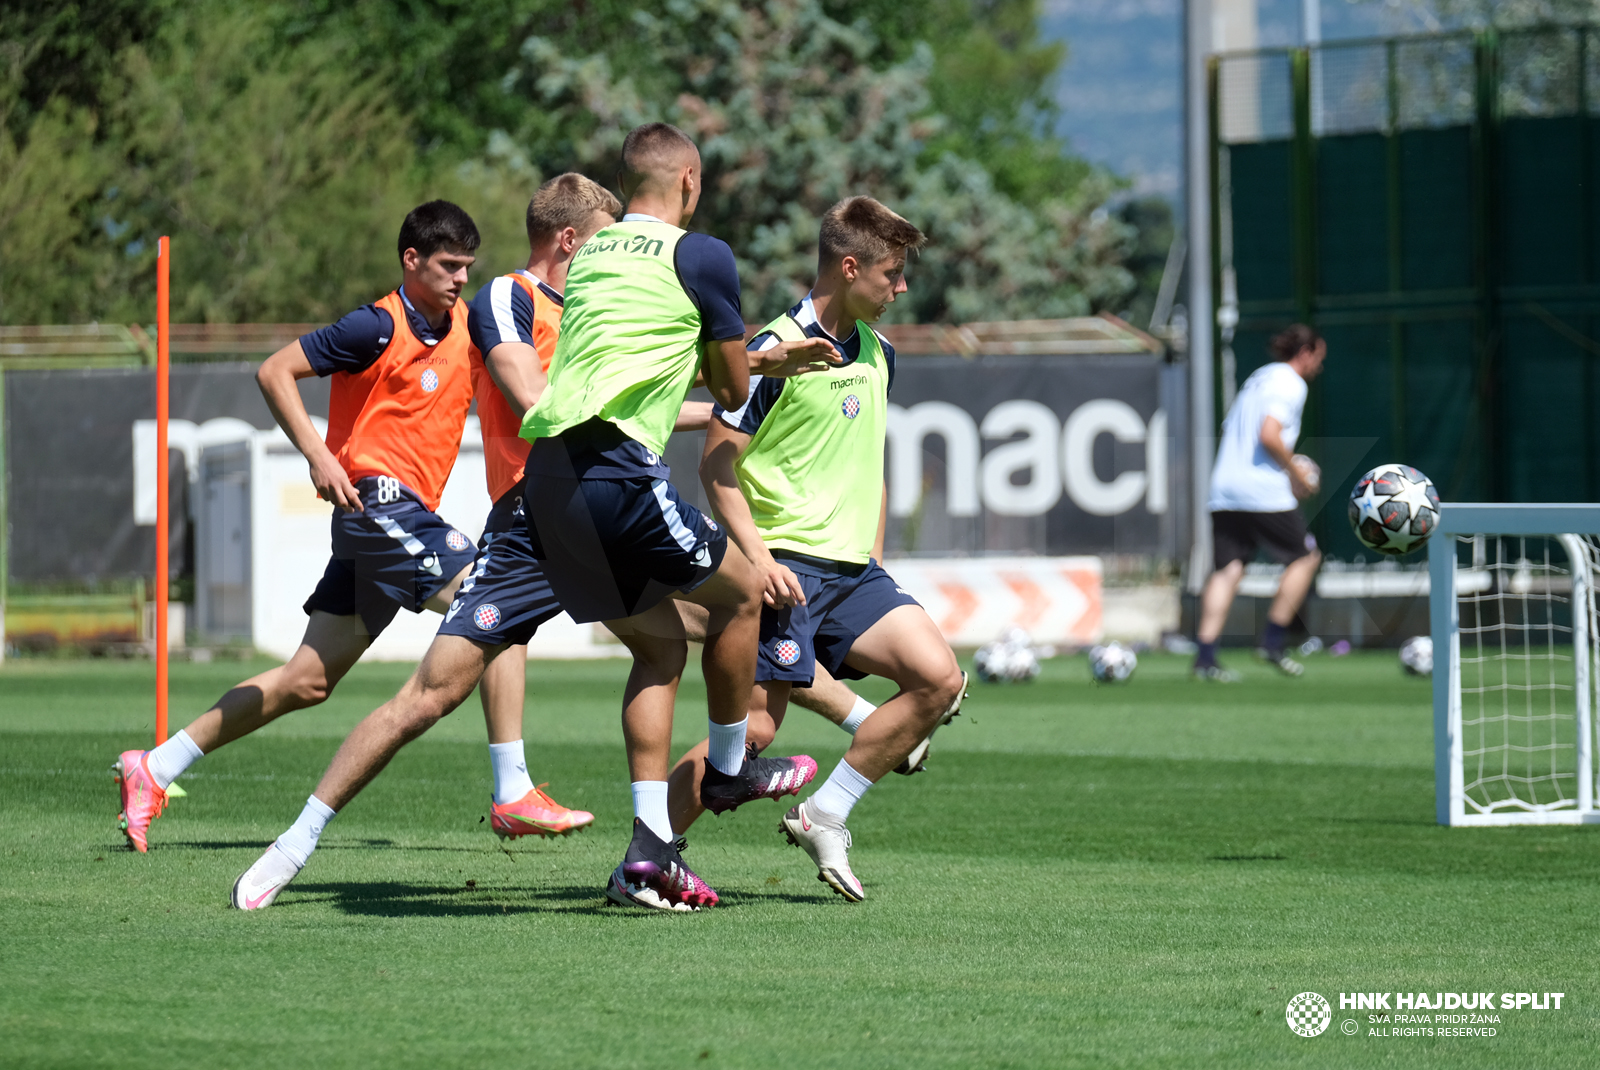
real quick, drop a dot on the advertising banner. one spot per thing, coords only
(1049, 455)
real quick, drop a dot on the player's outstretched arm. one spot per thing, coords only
(795, 358)
(779, 587)
(693, 416)
(883, 525)
(515, 369)
(277, 377)
(727, 372)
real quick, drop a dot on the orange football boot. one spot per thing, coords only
(536, 814)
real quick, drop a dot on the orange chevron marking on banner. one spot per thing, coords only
(963, 604)
(1087, 627)
(1035, 603)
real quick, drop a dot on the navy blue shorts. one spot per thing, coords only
(396, 552)
(842, 602)
(613, 548)
(505, 597)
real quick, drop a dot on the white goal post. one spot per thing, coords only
(1512, 597)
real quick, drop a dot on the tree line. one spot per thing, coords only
(280, 142)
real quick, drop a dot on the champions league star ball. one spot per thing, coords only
(1394, 508)
(1416, 655)
(1112, 663)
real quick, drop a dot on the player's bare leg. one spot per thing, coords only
(652, 873)
(446, 677)
(828, 697)
(444, 680)
(503, 690)
(1298, 576)
(768, 702)
(520, 807)
(1293, 587)
(904, 646)
(1215, 601)
(330, 646)
(659, 645)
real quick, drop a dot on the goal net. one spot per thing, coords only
(1513, 604)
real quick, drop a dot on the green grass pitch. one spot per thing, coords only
(1086, 876)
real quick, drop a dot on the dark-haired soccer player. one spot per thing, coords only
(648, 308)
(514, 321)
(796, 476)
(401, 387)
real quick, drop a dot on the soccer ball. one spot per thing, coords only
(1394, 508)
(1112, 663)
(1416, 655)
(1010, 659)
(1309, 471)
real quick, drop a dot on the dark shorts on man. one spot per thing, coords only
(614, 547)
(1236, 536)
(842, 602)
(505, 597)
(396, 553)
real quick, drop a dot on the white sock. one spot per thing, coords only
(727, 746)
(301, 839)
(168, 761)
(842, 791)
(858, 713)
(650, 806)
(511, 779)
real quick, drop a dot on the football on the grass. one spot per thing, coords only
(1112, 663)
(1394, 508)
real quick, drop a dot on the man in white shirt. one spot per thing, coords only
(1255, 496)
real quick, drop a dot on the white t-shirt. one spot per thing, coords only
(1246, 478)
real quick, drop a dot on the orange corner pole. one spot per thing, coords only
(163, 515)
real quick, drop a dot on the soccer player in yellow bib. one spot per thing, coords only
(796, 476)
(650, 307)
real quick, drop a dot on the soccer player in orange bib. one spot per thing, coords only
(514, 322)
(401, 386)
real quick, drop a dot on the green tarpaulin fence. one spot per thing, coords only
(1430, 204)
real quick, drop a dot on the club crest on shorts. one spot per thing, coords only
(455, 540)
(486, 617)
(851, 407)
(430, 380)
(786, 651)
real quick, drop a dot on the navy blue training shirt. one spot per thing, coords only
(765, 390)
(358, 339)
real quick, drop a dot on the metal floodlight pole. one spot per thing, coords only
(1198, 109)
(163, 503)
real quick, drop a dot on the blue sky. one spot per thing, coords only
(1121, 88)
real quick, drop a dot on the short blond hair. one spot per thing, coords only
(863, 228)
(567, 201)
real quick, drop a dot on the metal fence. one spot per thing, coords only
(1428, 204)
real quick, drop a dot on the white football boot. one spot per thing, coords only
(259, 885)
(913, 762)
(827, 841)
